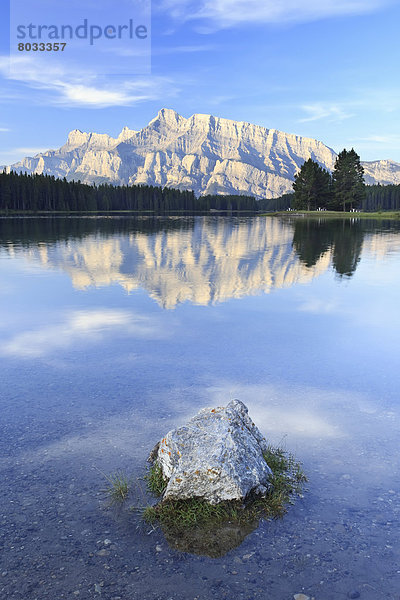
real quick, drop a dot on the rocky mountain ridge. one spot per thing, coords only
(210, 155)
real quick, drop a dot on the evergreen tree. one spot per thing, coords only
(348, 181)
(311, 187)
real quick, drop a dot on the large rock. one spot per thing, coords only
(217, 455)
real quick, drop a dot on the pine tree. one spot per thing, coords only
(348, 181)
(311, 187)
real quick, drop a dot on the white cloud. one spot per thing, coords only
(95, 97)
(4, 129)
(78, 327)
(228, 13)
(69, 87)
(320, 111)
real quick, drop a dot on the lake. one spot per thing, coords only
(115, 330)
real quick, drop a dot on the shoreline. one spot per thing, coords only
(392, 215)
(334, 214)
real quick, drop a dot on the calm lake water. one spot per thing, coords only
(115, 330)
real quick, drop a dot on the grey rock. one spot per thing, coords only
(217, 455)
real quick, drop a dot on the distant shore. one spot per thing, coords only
(111, 213)
(390, 214)
(176, 213)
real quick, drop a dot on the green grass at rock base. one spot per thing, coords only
(286, 482)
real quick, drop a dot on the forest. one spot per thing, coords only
(23, 192)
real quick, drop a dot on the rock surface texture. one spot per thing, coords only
(217, 456)
(206, 154)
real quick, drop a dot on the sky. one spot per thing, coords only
(325, 69)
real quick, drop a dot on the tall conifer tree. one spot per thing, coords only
(311, 187)
(348, 181)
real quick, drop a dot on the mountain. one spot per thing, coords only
(207, 154)
(385, 172)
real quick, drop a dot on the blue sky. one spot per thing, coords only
(326, 69)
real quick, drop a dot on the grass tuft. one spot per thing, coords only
(287, 481)
(156, 482)
(117, 487)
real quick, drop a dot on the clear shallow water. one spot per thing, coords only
(115, 330)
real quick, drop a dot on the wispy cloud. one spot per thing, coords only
(378, 146)
(229, 13)
(4, 129)
(161, 51)
(78, 327)
(391, 140)
(83, 87)
(28, 151)
(322, 111)
(13, 155)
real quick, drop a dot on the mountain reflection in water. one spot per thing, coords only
(203, 260)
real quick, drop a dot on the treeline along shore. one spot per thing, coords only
(21, 192)
(377, 198)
